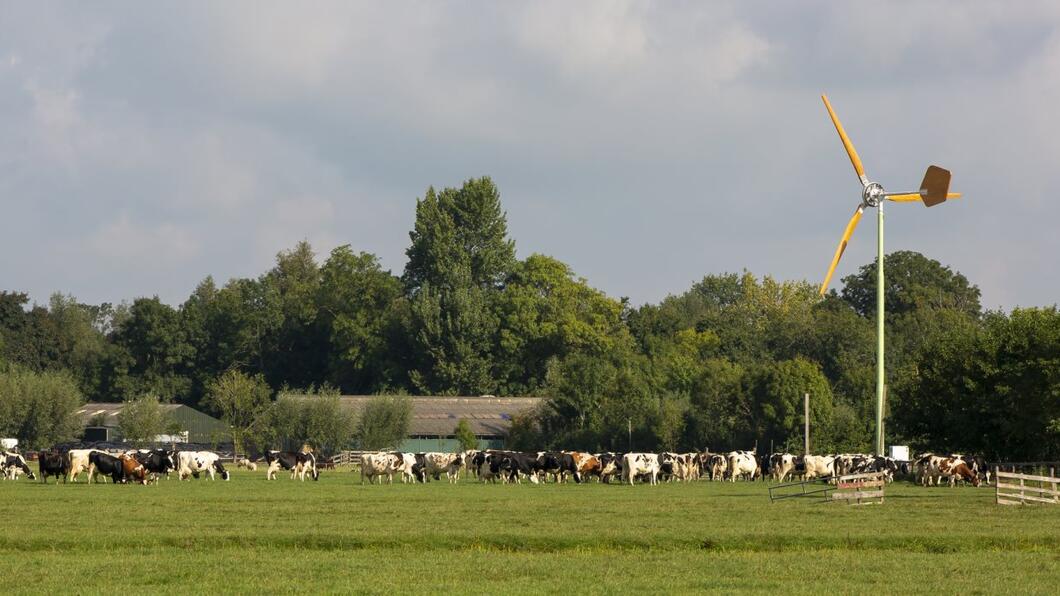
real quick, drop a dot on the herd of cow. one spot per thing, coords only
(539, 467)
(145, 465)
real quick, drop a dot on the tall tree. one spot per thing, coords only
(913, 282)
(460, 237)
(160, 354)
(356, 302)
(459, 255)
(239, 399)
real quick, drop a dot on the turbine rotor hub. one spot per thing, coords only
(872, 194)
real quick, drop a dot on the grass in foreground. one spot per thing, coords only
(250, 535)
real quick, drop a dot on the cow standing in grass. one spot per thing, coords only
(52, 463)
(13, 465)
(191, 463)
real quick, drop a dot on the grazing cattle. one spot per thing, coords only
(77, 461)
(933, 469)
(106, 465)
(719, 466)
(587, 465)
(155, 461)
(298, 462)
(781, 465)
(13, 465)
(559, 464)
(132, 470)
(819, 466)
(246, 463)
(190, 463)
(52, 463)
(512, 466)
(954, 468)
(742, 464)
(610, 466)
(482, 463)
(411, 467)
(435, 464)
(380, 464)
(640, 464)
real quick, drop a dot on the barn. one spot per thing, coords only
(434, 419)
(100, 421)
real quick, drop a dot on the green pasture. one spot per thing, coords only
(336, 536)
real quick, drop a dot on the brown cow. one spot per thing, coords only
(587, 464)
(133, 470)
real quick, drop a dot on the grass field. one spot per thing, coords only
(336, 536)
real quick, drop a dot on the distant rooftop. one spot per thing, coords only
(437, 416)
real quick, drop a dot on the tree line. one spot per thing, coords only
(722, 365)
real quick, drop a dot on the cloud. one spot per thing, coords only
(124, 244)
(645, 144)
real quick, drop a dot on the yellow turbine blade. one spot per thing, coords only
(854, 159)
(842, 247)
(915, 196)
(906, 198)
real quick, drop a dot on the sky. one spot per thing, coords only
(646, 144)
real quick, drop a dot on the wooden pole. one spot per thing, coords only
(806, 420)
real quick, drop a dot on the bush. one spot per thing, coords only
(38, 408)
(465, 436)
(141, 420)
(384, 422)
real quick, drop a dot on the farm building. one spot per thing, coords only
(100, 421)
(434, 419)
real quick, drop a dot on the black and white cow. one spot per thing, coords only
(190, 463)
(106, 465)
(297, 462)
(512, 466)
(635, 465)
(14, 465)
(559, 464)
(156, 461)
(610, 466)
(52, 463)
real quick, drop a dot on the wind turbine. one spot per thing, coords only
(934, 189)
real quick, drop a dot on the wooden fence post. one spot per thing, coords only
(1052, 474)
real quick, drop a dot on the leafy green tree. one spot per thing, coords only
(458, 258)
(913, 282)
(384, 422)
(460, 238)
(157, 345)
(329, 427)
(991, 391)
(357, 310)
(141, 420)
(544, 313)
(239, 399)
(465, 436)
(780, 397)
(37, 408)
(669, 422)
(82, 346)
(295, 350)
(452, 334)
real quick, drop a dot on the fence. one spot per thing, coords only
(807, 488)
(1043, 489)
(860, 489)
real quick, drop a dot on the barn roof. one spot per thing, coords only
(90, 412)
(437, 416)
(201, 426)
